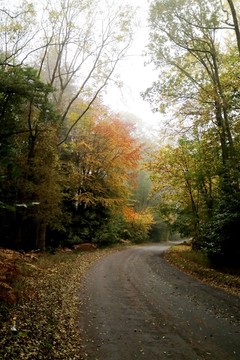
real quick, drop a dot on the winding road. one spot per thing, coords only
(134, 305)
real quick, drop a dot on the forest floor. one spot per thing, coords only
(39, 298)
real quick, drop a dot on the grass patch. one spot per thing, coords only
(197, 264)
(49, 261)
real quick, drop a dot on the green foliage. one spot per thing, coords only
(194, 201)
(110, 231)
(196, 181)
(98, 168)
(29, 190)
(4, 311)
(91, 224)
(93, 168)
(185, 222)
(218, 238)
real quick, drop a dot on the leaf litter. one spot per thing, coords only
(43, 323)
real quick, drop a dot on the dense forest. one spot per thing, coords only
(72, 171)
(68, 165)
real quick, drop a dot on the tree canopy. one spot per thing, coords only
(67, 163)
(72, 171)
(195, 46)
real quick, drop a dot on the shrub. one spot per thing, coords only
(218, 238)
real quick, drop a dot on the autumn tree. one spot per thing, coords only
(185, 185)
(137, 225)
(74, 48)
(100, 159)
(188, 41)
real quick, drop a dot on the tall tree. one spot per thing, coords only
(189, 41)
(28, 155)
(185, 183)
(100, 161)
(78, 48)
(235, 18)
(184, 38)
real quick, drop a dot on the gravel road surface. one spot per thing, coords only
(134, 305)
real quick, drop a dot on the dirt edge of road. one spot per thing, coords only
(179, 256)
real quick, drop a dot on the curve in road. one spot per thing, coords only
(134, 305)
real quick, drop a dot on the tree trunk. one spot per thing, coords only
(235, 21)
(41, 236)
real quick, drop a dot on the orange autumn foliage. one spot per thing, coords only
(106, 155)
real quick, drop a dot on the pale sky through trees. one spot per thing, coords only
(135, 76)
